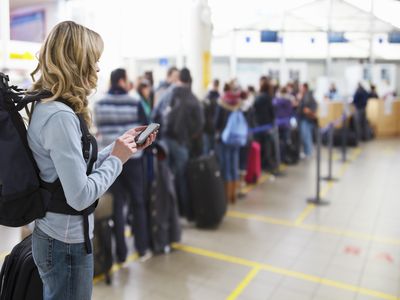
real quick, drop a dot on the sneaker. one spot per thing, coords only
(146, 256)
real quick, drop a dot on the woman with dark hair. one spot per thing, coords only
(265, 115)
(229, 103)
(144, 91)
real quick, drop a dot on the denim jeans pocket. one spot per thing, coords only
(42, 248)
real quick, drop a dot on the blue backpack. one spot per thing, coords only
(236, 129)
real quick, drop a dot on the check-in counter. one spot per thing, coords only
(384, 117)
(330, 113)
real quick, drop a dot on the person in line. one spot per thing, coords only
(148, 75)
(247, 107)
(185, 123)
(144, 93)
(210, 107)
(67, 71)
(171, 79)
(115, 113)
(265, 115)
(283, 112)
(372, 93)
(360, 102)
(160, 111)
(307, 114)
(228, 154)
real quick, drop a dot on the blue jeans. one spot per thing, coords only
(65, 269)
(306, 132)
(178, 159)
(208, 143)
(229, 160)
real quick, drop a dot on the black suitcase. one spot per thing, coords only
(19, 276)
(102, 240)
(292, 148)
(350, 136)
(163, 207)
(206, 191)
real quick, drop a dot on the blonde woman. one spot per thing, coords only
(61, 243)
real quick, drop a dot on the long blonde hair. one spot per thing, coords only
(68, 65)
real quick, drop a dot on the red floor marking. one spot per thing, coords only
(352, 250)
(385, 256)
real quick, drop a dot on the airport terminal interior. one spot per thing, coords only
(307, 207)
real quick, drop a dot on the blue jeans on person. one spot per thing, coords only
(208, 143)
(130, 183)
(306, 133)
(66, 270)
(178, 159)
(229, 160)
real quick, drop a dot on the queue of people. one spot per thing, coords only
(221, 124)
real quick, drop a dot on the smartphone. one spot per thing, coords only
(142, 137)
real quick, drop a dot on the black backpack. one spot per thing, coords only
(24, 197)
(19, 277)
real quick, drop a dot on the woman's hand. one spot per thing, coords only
(152, 137)
(124, 147)
(137, 130)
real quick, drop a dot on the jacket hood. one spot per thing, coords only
(228, 106)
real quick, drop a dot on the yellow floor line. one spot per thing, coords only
(316, 228)
(246, 281)
(128, 233)
(282, 271)
(250, 187)
(116, 268)
(310, 207)
(308, 210)
(265, 219)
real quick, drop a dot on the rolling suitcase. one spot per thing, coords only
(253, 163)
(102, 240)
(292, 149)
(19, 276)
(163, 208)
(206, 191)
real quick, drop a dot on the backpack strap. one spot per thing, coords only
(90, 153)
(87, 141)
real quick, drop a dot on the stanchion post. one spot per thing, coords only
(330, 153)
(344, 139)
(317, 199)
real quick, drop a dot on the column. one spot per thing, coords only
(199, 54)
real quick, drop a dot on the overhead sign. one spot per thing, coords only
(394, 37)
(336, 37)
(268, 36)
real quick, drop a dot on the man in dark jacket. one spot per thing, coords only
(114, 115)
(360, 101)
(307, 112)
(265, 115)
(185, 121)
(210, 109)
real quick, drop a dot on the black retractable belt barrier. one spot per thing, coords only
(317, 199)
(330, 151)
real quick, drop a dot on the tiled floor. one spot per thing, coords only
(272, 246)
